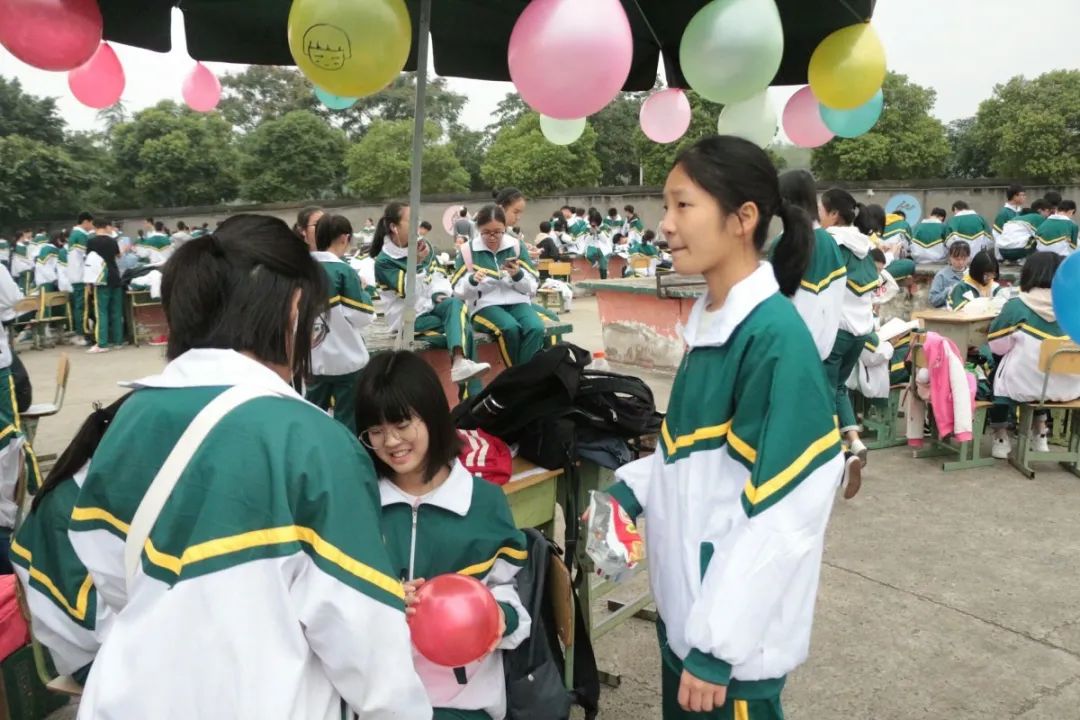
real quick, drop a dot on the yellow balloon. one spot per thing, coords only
(350, 48)
(848, 67)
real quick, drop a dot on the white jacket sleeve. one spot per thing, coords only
(963, 399)
(10, 294)
(633, 480)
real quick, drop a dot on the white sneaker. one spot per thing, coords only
(25, 336)
(79, 340)
(1002, 446)
(463, 370)
(859, 449)
(852, 476)
(1040, 443)
(95, 349)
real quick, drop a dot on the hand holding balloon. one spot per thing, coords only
(455, 620)
(411, 586)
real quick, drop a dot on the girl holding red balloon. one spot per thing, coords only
(450, 536)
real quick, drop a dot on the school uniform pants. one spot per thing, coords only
(597, 257)
(454, 714)
(838, 367)
(47, 288)
(901, 269)
(79, 308)
(336, 393)
(109, 329)
(447, 325)
(518, 330)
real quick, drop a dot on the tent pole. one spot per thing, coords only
(408, 324)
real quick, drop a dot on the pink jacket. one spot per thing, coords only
(952, 391)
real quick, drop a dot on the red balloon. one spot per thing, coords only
(51, 34)
(456, 620)
(100, 82)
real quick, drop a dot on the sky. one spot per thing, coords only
(961, 48)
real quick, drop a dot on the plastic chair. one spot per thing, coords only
(35, 412)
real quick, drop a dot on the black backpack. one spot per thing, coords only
(535, 689)
(621, 405)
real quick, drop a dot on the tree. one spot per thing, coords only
(1030, 129)
(89, 154)
(28, 116)
(171, 156)
(378, 166)
(470, 147)
(35, 179)
(907, 142)
(657, 159)
(508, 112)
(619, 139)
(295, 157)
(522, 157)
(113, 115)
(398, 102)
(265, 92)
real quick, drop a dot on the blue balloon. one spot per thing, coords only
(855, 122)
(334, 102)
(1066, 294)
(909, 204)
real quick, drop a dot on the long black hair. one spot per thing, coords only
(841, 201)
(81, 448)
(234, 289)
(330, 228)
(392, 215)
(736, 171)
(870, 220)
(799, 189)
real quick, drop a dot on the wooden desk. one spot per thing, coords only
(963, 328)
(532, 492)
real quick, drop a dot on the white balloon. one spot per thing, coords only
(753, 119)
(561, 132)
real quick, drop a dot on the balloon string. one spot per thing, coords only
(853, 11)
(648, 25)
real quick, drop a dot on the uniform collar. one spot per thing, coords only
(454, 495)
(741, 301)
(961, 213)
(1059, 216)
(1014, 208)
(211, 367)
(392, 250)
(479, 246)
(324, 256)
(932, 219)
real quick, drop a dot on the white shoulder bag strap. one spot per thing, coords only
(163, 483)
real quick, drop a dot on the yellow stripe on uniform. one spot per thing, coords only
(742, 447)
(742, 710)
(401, 283)
(863, 288)
(7, 431)
(776, 483)
(14, 401)
(818, 287)
(82, 600)
(82, 514)
(684, 441)
(1003, 331)
(503, 350)
(354, 304)
(1039, 333)
(483, 567)
(458, 273)
(274, 536)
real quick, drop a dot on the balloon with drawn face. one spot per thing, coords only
(327, 46)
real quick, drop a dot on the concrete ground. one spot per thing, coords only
(942, 595)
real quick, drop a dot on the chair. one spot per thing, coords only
(560, 270)
(555, 271)
(641, 263)
(30, 417)
(26, 314)
(48, 315)
(880, 419)
(1060, 357)
(543, 265)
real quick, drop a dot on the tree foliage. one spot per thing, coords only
(295, 157)
(169, 156)
(378, 165)
(265, 92)
(657, 159)
(35, 179)
(907, 143)
(521, 156)
(28, 116)
(470, 147)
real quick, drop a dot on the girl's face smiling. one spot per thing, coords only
(403, 446)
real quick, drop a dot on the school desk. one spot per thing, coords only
(966, 329)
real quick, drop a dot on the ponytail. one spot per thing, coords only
(392, 214)
(791, 255)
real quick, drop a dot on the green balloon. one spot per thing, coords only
(731, 49)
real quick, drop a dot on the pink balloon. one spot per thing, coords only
(51, 34)
(99, 82)
(570, 58)
(802, 120)
(202, 90)
(665, 115)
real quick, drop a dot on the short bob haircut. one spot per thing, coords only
(330, 228)
(1039, 271)
(982, 265)
(396, 387)
(233, 289)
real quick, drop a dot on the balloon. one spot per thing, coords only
(568, 58)
(51, 34)
(848, 67)
(561, 132)
(350, 48)
(753, 119)
(202, 90)
(1065, 291)
(853, 123)
(909, 204)
(456, 620)
(451, 214)
(334, 102)
(802, 120)
(665, 115)
(99, 82)
(731, 49)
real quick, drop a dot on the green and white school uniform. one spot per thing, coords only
(821, 292)
(155, 248)
(36, 244)
(46, 267)
(634, 228)
(967, 290)
(441, 318)
(1017, 238)
(577, 228)
(264, 588)
(337, 361)
(501, 304)
(5, 251)
(80, 311)
(897, 231)
(464, 526)
(68, 616)
(928, 242)
(899, 373)
(1017, 335)
(598, 249)
(22, 267)
(871, 374)
(1004, 216)
(108, 302)
(972, 228)
(1057, 235)
(737, 498)
(856, 318)
(614, 224)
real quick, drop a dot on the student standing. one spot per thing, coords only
(738, 494)
(76, 247)
(437, 518)
(263, 588)
(463, 226)
(12, 441)
(634, 228)
(968, 226)
(1015, 199)
(22, 267)
(949, 277)
(103, 274)
(340, 353)
(597, 245)
(1058, 234)
(928, 241)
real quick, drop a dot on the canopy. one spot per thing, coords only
(469, 38)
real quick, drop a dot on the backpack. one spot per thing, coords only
(486, 456)
(535, 689)
(621, 405)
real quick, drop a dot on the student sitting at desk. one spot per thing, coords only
(1016, 335)
(437, 518)
(979, 282)
(948, 278)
